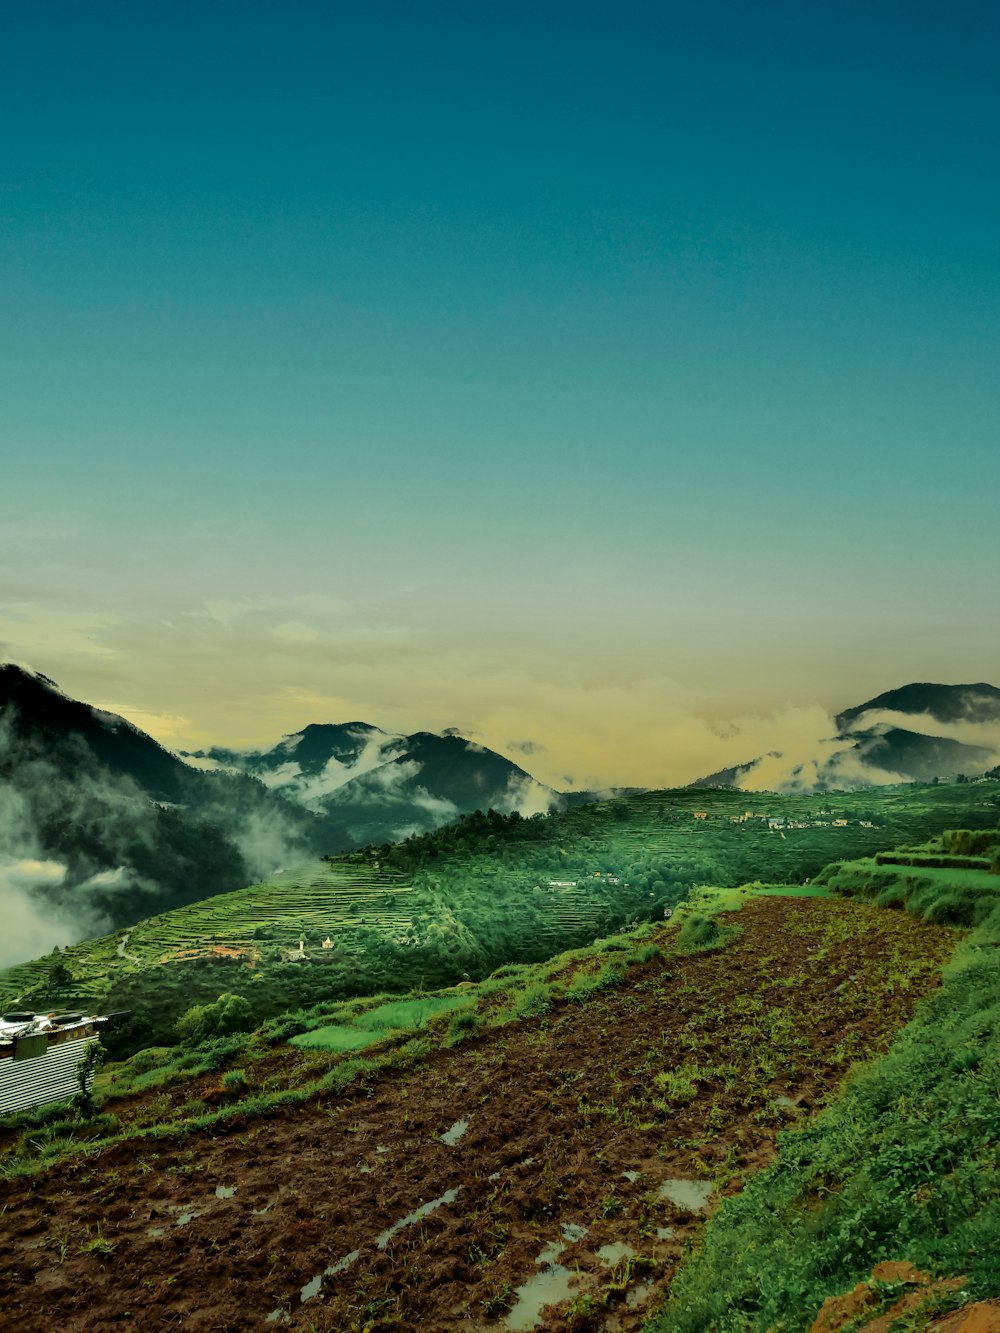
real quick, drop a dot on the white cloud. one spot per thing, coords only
(33, 925)
(526, 796)
(985, 735)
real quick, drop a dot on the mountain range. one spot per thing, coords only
(99, 824)
(371, 785)
(915, 733)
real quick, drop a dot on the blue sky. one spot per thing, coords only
(357, 354)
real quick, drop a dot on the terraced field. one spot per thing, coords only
(550, 1171)
(312, 903)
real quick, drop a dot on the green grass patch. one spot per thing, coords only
(955, 897)
(408, 1013)
(335, 1038)
(700, 932)
(792, 891)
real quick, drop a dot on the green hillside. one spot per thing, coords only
(488, 890)
(709, 1125)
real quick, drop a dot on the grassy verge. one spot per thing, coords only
(902, 1167)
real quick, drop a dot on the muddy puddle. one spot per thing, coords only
(614, 1252)
(452, 1136)
(691, 1195)
(311, 1289)
(425, 1209)
(554, 1282)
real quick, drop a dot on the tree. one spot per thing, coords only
(60, 977)
(229, 1013)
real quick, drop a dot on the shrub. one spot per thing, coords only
(462, 1025)
(646, 954)
(285, 1026)
(92, 1059)
(215, 1054)
(229, 1013)
(536, 999)
(699, 932)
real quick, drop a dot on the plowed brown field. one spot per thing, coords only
(578, 1126)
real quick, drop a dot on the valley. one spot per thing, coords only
(459, 902)
(684, 1060)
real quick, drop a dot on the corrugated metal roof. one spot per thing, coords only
(46, 1078)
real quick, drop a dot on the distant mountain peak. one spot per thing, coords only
(880, 745)
(978, 702)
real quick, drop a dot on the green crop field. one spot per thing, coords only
(335, 1037)
(407, 1013)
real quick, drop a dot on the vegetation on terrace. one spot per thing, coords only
(900, 1167)
(903, 1167)
(488, 890)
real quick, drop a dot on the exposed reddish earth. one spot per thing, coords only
(862, 1308)
(570, 1136)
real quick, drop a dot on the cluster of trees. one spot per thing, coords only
(470, 834)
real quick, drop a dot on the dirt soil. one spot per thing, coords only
(574, 1121)
(861, 1308)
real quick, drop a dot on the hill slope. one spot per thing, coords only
(583, 1129)
(100, 824)
(486, 891)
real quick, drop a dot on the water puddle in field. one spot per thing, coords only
(225, 1191)
(259, 1212)
(611, 1254)
(455, 1133)
(311, 1288)
(551, 1285)
(639, 1295)
(632, 1176)
(573, 1231)
(689, 1194)
(181, 1217)
(449, 1196)
(551, 1253)
(341, 1264)
(665, 1233)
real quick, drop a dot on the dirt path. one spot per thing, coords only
(548, 1147)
